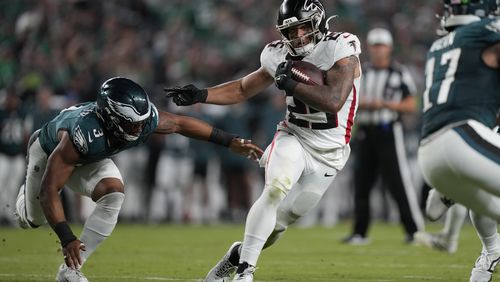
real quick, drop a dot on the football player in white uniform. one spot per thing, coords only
(311, 144)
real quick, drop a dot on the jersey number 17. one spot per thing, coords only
(448, 60)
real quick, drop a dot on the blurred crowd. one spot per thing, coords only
(56, 53)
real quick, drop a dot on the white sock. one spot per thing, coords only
(486, 229)
(454, 220)
(101, 222)
(261, 221)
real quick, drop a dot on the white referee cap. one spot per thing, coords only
(379, 36)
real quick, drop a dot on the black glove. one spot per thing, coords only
(283, 77)
(187, 95)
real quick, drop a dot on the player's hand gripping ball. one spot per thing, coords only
(307, 73)
(289, 73)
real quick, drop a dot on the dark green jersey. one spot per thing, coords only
(459, 86)
(87, 132)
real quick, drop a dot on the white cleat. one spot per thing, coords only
(356, 240)
(436, 205)
(223, 270)
(484, 267)
(438, 242)
(246, 275)
(20, 213)
(67, 274)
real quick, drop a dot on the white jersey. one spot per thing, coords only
(321, 133)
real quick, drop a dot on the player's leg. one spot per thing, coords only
(303, 197)
(453, 223)
(466, 170)
(285, 164)
(365, 174)
(102, 182)
(284, 167)
(436, 205)
(29, 212)
(447, 239)
(396, 175)
(490, 255)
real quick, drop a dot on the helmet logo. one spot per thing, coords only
(127, 112)
(313, 5)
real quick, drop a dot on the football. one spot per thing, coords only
(307, 73)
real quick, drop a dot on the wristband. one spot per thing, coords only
(64, 233)
(221, 137)
(203, 95)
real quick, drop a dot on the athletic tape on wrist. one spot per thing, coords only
(64, 233)
(221, 137)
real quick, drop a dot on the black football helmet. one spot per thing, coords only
(124, 107)
(462, 12)
(296, 12)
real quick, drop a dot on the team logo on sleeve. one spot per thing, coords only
(80, 141)
(353, 45)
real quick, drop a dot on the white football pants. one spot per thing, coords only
(295, 181)
(463, 163)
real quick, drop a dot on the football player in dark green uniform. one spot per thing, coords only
(74, 149)
(459, 153)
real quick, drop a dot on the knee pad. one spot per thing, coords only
(105, 215)
(282, 183)
(273, 195)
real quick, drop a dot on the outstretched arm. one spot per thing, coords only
(239, 90)
(60, 165)
(339, 82)
(194, 128)
(231, 92)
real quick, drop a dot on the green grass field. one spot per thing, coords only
(186, 253)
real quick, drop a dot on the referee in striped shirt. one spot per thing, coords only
(387, 90)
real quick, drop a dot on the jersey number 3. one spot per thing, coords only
(449, 59)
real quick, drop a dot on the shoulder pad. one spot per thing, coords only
(272, 55)
(341, 45)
